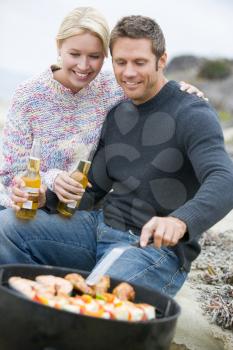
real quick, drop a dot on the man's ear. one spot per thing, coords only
(162, 61)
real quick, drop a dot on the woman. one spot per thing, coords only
(64, 106)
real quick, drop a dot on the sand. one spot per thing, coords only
(194, 329)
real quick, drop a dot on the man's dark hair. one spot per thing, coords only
(139, 27)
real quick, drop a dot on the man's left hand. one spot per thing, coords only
(165, 231)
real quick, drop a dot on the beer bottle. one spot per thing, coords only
(80, 175)
(32, 182)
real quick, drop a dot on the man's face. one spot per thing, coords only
(134, 66)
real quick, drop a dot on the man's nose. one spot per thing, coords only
(129, 71)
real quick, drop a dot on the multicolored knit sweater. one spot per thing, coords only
(63, 121)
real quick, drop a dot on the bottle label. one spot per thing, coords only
(27, 205)
(72, 205)
(31, 190)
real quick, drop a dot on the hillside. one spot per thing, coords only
(219, 91)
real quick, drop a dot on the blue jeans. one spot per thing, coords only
(81, 242)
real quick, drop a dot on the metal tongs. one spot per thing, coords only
(108, 260)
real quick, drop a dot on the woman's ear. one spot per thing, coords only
(59, 59)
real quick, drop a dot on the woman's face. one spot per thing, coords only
(82, 57)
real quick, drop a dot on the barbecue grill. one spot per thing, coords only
(25, 324)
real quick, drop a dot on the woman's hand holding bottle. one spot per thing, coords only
(70, 188)
(67, 188)
(18, 195)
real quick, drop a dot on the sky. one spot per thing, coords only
(28, 27)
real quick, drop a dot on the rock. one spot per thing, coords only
(184, 63)
(219, 92)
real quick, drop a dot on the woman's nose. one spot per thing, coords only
(83, 62)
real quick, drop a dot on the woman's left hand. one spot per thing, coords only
(192, 90)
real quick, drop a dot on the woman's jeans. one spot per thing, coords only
(80, 242)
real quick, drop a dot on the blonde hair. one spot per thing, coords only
(81, 20)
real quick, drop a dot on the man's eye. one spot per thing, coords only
(140, 63)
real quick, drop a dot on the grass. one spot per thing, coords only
(225, 116)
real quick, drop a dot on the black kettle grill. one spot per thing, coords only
(27, 325)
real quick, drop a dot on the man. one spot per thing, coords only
(162, 155)
(161, 168)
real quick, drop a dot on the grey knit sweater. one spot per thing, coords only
(165, 157)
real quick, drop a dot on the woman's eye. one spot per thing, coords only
(74, 54)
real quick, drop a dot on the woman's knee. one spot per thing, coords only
(7, 219)
(10, 225)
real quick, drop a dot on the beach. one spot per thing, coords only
(196, 330)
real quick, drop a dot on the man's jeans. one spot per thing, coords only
(81, 241)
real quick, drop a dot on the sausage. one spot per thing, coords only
(79, 283)
(102, 286)
(124, 291)
(58, 285)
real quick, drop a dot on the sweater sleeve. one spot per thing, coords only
(49, 176)
(17, 141)
(16, 145)
(200, 135)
